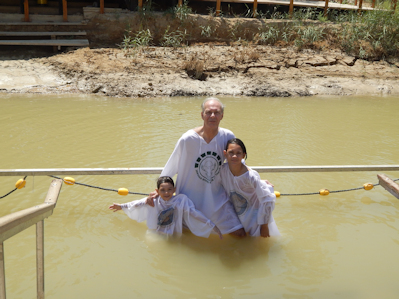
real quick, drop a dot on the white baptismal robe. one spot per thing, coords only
(197, 165)
(253, 200)
(167, 216)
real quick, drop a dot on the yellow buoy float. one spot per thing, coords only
(277, 193)
(69, 180)
(20, 184)
(123, 191)
(368, 186)
(324, 191)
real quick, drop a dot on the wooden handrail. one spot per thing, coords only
(14, 223)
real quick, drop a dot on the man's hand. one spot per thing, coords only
(217, 230)
(150, 198)
(264, 230)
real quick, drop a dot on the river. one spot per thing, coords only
(344, 245)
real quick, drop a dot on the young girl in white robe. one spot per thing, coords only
(253, 199)
(169, 211)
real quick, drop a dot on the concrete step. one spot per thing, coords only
(45, 33)
(47, 42)
(11, 19)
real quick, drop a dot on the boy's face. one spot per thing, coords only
(166, 191)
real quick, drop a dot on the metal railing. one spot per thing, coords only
(158, 170)
(14, 223)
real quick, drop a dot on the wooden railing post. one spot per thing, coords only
(394, 5)
(101, 6)
(326, 8)
(255, 8)
(373, 4)
(140, 4)
(291, 10)
(2, 273)
(218, 5)
(26, 11)
(180, 3)
(360, 6)
(40, 259)
(65, 10)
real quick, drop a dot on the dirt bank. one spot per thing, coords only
(199, 71)
(204, 68)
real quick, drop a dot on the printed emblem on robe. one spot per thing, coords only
(239, 202)
(207, 166)
(166, 217)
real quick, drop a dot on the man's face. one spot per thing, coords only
(212, 114)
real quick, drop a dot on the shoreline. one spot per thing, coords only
(199, 70)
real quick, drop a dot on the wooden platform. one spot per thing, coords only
(302, 3)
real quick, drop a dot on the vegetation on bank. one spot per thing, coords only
(371, 35)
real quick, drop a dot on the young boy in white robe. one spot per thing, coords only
(253, 199)
(169, 211)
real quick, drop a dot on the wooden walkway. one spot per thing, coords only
(301, 3)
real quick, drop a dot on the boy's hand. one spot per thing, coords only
(264, 230)
(150, 198)
(115, 207)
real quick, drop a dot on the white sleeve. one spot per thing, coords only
(265, 213)
(172, 166)
(196, 221)
(266, 198)
(137, 210)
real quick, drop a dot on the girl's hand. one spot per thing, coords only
(115, 207)
(264, 230)
(267, 182)
(150, 198)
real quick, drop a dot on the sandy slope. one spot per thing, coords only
(227, 70)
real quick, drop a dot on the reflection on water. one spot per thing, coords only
(339, 246)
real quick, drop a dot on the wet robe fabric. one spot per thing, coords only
(197, 165)
(167, 217)
(253, 200)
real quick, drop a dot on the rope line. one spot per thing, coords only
(137, 193)
(96, 187)
(11, 190)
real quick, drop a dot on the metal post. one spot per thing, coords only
(40, 258)
(2, 273)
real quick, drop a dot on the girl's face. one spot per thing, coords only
(166, 191)
(234, 154)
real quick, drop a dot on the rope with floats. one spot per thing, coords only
(18, 185)
(123, 191)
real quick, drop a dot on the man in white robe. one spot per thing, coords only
(197, 159)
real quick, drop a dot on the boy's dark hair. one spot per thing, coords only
(164, 179)
(238, 142)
